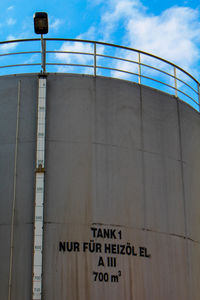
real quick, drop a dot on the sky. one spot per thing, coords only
(169, 29)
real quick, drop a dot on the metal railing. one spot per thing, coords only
(98, 59)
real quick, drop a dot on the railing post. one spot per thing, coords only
(175, 83)
(139, 68)
(198, 90)
(43, 54)
(95, 60)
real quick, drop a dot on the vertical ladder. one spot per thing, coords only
(39, 191)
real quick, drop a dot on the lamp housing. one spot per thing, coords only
(41, 22)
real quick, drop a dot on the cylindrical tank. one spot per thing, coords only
(122, 209)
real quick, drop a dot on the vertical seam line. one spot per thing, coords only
(14, 190)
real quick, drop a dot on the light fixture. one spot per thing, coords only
(41, 27)
(41, 22)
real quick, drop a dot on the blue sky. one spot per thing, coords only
(140, 24)
(169, 29)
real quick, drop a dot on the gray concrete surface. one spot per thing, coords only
(119, 156)
(23, 211)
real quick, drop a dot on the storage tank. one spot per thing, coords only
(121, 203)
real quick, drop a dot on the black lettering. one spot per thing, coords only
(92, 247)
(69, 246)
(95, 275)
(98, 248)
(101, 262)
(107, 248)
(111, 262)
(85, 246)
(99, 233)
(128, 249)
(93, 231)
(112, 233)
(114, 249)
(76, 247)
(114, 262)
(62, 246)
(142, 251)
(122, 249)
(146, 254)
(106, 233)
(133, 251)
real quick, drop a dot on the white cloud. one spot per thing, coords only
(173, 35)
(7, 47)
(78, 47)
(10, 7)
(11, 37)
(90, 34)
(35, 58)
(55, 24)
(78, 53)
(117, 14)
(11, 21)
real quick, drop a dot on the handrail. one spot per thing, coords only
(125, 48)
(109, 59)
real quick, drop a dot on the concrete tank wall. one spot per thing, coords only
(23, 211)
(121, 160)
